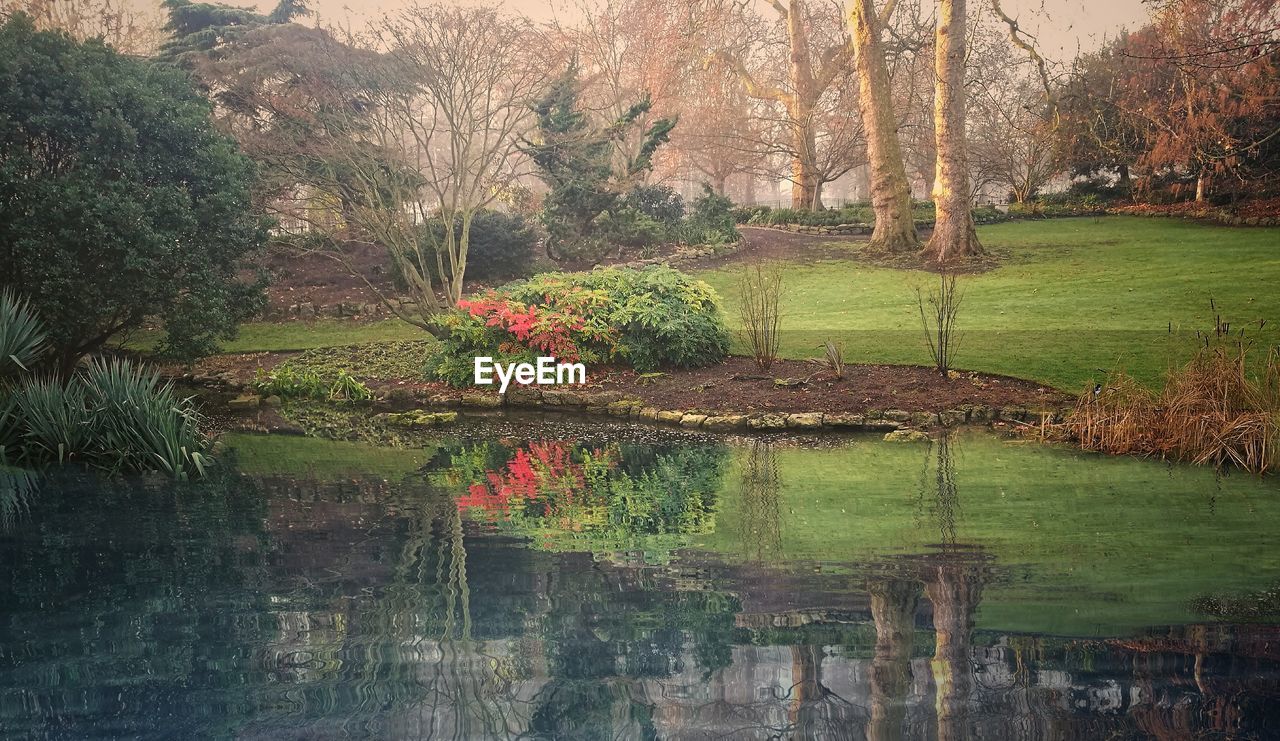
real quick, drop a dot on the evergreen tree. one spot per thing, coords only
(119, 203)
(574, 158)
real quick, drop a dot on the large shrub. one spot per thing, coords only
(646, 318)
(659, 202)
(629, 228)
(118, 200)
(499, 245)
(711, 221)
(576, 160)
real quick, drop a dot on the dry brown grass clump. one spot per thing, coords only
(1210, 411)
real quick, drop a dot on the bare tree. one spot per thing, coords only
(442, 144)
(119, 23)
(760, 286)
(719, 135)
(629, 50)
(1011, 138)
(939, 310)
(808, 78)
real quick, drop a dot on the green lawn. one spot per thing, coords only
(1072, 295)
(302, 335)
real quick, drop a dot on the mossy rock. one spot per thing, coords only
(419, 419)
(805, 421)
(767, 422)
(693, 420)
(244, 403)
(726, 422)
(906, 436)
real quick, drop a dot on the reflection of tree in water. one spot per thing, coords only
(761, 533)
(954, 586)
(611, 635)
(946, 502)
(893, 610)
(816, 711)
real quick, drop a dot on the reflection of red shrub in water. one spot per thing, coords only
(544, 472)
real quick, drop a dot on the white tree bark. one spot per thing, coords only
(954, 236)
(895, 229)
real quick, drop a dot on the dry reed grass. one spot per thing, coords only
(1212, 410)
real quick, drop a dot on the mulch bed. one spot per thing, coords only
(738, 386)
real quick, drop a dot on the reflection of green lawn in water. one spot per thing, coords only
(309, 457)
(1086, 544)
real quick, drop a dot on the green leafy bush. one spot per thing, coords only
(750, 214)
(22, 336)
(113, 415)
(712, 215)
(499, 245)
(629, 227)
(646, 318)
(659, 202)
(289, 383)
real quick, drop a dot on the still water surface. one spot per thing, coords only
(543, 580)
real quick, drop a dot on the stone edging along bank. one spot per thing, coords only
(613, 404)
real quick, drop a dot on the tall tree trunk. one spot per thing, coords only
(804, 176)
(1202, 187)
(954, 236)
(895, 229)
(718, 184)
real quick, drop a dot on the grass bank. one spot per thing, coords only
(1070, 296)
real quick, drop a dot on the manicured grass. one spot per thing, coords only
(1072, 296)
(300, 335)
(316, 458)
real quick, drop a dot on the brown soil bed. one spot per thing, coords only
(320, 281)
(734, 386)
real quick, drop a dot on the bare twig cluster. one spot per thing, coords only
(939, 309)
(760, 286)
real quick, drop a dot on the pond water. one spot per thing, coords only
(554, 580)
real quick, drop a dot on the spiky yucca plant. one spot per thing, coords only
(140, 422)
(115, 415)
(22, 335)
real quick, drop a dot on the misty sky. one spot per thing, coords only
(1059, 24)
